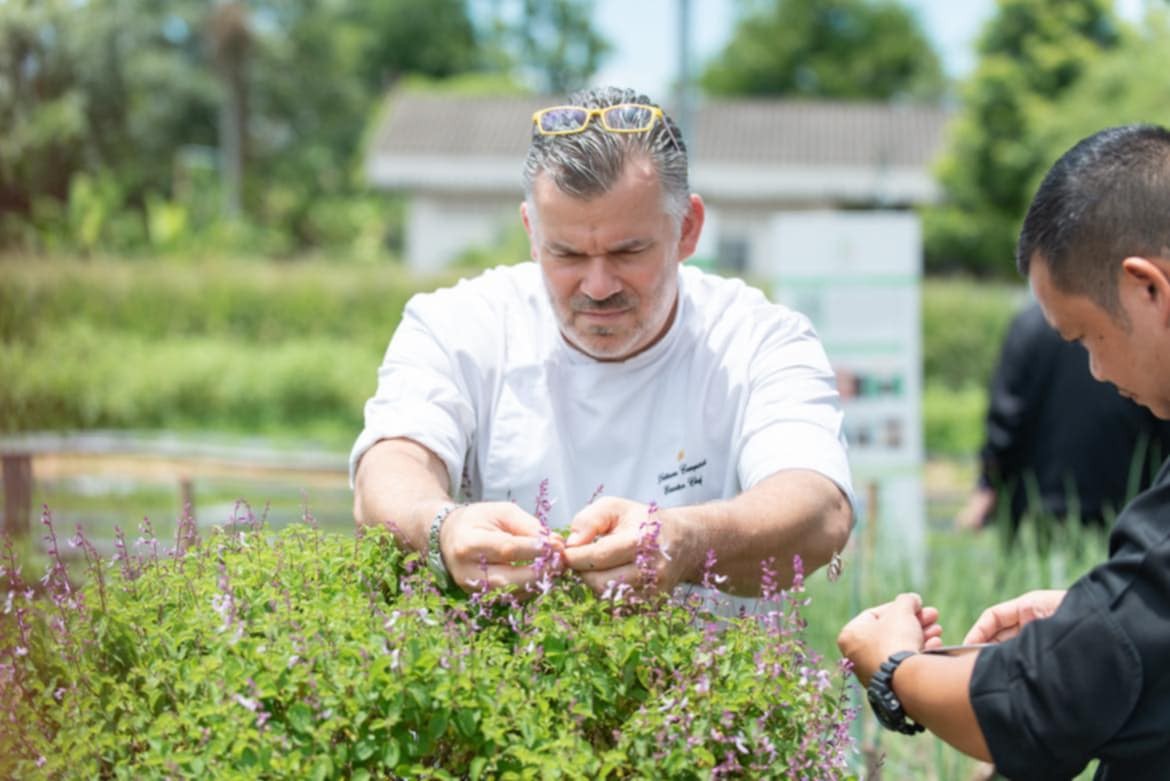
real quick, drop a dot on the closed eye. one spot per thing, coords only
(568, 254)
(631, 251)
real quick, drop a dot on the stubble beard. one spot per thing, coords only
(603, 342)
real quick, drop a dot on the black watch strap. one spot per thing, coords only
(886, 705)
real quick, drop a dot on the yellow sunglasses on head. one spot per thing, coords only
(621, 118)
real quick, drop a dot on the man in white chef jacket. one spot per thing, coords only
(640, 389)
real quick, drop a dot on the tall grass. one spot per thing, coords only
(965, 573)
(288, 349)
(233, 299)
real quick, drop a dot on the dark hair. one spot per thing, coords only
(1106, 199)
(588, 164)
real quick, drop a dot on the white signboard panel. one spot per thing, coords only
(856, 275)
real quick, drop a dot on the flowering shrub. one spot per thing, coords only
(252, 653)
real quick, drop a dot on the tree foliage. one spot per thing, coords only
(1128, 84)
(115, 114)
(551, 44)
(1032, 53)
(97, 85)
(844, 49)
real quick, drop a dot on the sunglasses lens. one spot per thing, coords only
(629, 117)
(558, 120)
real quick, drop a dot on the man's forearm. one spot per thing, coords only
(400, 484)
(791, 512)
(934, 692)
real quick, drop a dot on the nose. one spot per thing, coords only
(599, 282)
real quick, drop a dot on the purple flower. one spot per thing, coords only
(596, 493)
(648, 552)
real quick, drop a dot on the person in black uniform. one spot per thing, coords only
(1059, 443)
(1083, 674)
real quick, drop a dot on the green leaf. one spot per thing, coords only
(466, 721)
(437, 726)
(391, 754)
(322, 768)
(300, 718)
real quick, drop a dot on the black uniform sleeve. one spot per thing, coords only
(1094, 679)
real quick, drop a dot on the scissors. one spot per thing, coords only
(956, 649)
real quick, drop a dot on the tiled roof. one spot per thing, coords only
(818, 133)
(765, 132)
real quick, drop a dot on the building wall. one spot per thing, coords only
(440, 228)
(737, 236)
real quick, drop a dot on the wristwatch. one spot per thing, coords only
(434, 553)
(884, 702)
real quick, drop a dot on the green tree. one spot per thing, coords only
(1031, 53)
(101, 86)
(551, 44)
(434, 38)
(104, 103)
(1129, 84)
(842, 49)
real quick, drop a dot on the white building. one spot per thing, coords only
(459, 158)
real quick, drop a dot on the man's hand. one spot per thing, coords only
(496, 541)
(901, 625)
(974, 514)
(603, 545)
(999, 622)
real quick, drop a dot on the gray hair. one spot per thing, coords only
(588, 164)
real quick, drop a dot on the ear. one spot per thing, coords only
(1145, 284)
(528, 228)
(692, 227)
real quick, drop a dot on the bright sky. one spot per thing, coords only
(645, 36)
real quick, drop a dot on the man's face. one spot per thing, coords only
(610, 264)
(1132, 355)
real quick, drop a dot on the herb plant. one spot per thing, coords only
(303, 654)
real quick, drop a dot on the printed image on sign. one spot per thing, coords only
(856, 276)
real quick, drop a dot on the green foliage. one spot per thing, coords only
(1031, 53)
(431, 38)
(76, 378)
(312, 655)
(558, 42)
(237, 346)
(112, 114)
(843, 49)
(1128, 84)
(238, 299)
(953, 420)
(93, 87)
(963, 325)
(511, 247)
